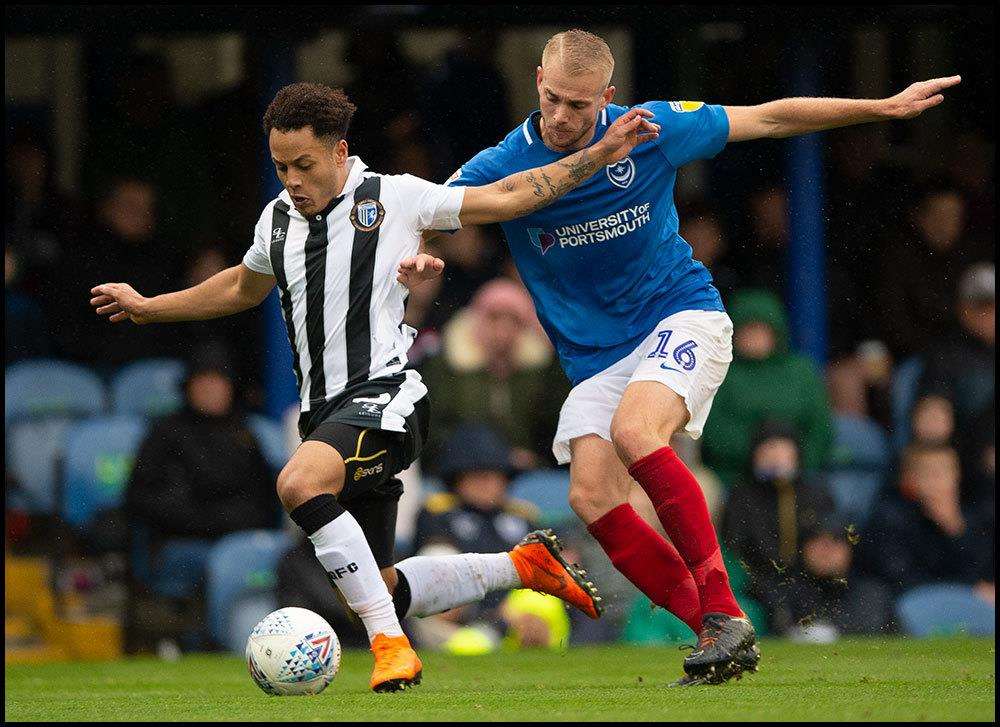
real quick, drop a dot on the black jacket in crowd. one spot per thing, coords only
(201, 477)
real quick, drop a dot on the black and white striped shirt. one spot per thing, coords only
(336, 274)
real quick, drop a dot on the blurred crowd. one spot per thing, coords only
(851, 498)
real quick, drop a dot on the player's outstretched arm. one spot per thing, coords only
(525, 192)
(794, 116)
(230, 291)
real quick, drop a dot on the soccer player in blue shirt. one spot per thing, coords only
(638, 326)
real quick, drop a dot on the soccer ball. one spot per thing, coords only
(293, 651)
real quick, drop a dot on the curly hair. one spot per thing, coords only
(327, 110)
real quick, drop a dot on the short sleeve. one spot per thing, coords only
(689, 130)
(479, 171)
(432, 206)
(258, 257)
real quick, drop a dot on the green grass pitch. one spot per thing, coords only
(890, 679)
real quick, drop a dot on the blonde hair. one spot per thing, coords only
(577, 51)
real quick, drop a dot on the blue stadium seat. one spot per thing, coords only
(151, 387)
(41, 401)
(271, 437)
(240, 574)
(46, 387)
(548, 490)
(860, 459)
(902, 397)
(99, 457)
(34, 451)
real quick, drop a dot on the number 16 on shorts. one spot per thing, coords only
(683, 354)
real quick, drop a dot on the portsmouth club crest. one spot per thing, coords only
(621, 173)
(367, 215)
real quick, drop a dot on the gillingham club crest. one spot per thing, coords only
(621, 173)
(367, 214)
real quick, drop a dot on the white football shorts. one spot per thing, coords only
(689, 352)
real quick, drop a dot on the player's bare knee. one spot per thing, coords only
(297, 484)
(589, 500)
(633, 437)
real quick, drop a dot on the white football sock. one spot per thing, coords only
(345, 554)
(442, 582)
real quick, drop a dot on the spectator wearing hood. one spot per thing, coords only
(496, 367)
(796, 547)
(765, 381)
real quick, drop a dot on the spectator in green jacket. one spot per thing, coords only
(765, 381)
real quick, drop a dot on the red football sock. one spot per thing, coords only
(650, 562)
(680, 505)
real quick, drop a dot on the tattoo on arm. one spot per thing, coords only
(578, 167)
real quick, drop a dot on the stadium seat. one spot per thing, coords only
(47, 388)
(151, 387)
(99, 457)
(34, 451)
(902, 397)
(858, 465)
(271, 437)
(240, 572)
(548, 490)
(42, 399)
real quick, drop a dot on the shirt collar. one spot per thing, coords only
(354, 179)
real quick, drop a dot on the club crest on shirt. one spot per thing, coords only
(367, 214)
(621, 173)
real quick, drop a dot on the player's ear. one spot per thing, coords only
(539, 77)
(341, 152)
(609, 93)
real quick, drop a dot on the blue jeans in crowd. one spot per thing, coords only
(943, 609)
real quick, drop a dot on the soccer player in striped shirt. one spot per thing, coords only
(332, 242)
(640, 329)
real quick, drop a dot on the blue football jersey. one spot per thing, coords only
(604, 263)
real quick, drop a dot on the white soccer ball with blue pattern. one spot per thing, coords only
(293, 651)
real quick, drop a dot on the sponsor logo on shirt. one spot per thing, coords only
(277, 235)
(599, 230)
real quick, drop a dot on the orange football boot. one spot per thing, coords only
(542, 568)
(397, 665)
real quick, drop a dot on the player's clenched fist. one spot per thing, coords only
(119, 301)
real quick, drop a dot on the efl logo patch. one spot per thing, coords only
(621, 173)
(683, 107)
(367, 215)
